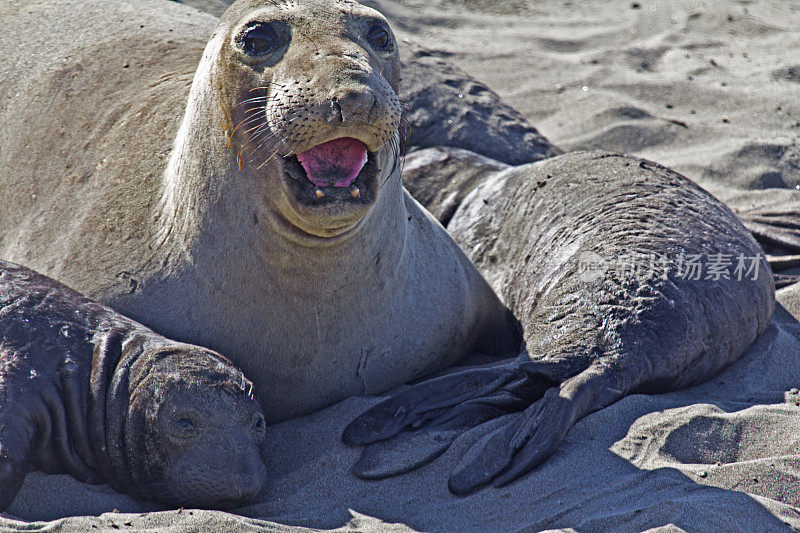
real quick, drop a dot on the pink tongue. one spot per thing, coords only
(334, 163)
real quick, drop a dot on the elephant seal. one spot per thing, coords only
(88, 392)
(276, 230)
(626, 276)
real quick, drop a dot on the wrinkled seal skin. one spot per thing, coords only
(591, 339)
(318, 298)
(314, 300)
(87, 392)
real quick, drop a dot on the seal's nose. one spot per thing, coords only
(351, 106)
(247, 480)
(248, 487)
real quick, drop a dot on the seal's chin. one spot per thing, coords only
(333, 176)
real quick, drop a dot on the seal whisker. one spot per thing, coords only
(265, 87)
(404, 131)
(251, 113)
(274, 153)
(251, 100)
(264, 141)
(254, 117)
(268, 127)
(256, 110)
(249, 120)
(396, 158)
(255, 99)
(239, 158)
(254, 127)
(274, 145)
(270, 142)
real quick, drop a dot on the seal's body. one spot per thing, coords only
(277, 231)
(198, 229)
(626, 277)
(87, 392)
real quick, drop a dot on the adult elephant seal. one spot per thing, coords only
(88, 392)
(278, 231)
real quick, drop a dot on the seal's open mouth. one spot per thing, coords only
(334, 163)
(338, 170)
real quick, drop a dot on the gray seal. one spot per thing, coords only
(87, 392)
(626, 277)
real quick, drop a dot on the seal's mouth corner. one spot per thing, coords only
(342, 169)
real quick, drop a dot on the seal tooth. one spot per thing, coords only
(355, 192)
(320, 194)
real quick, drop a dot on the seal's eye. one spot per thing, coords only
(259, 39)
(378, 36)
(186, 424)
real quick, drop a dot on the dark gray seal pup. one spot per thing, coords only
(626, 276)
(88, 392)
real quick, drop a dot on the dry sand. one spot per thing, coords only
(706, 87)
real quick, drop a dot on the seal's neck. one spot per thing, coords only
(118, 348)
(189, 187)
(215, 220)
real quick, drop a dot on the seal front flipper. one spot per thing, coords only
(528, 438)
(423, 402)
(778, 233)
(416, 426)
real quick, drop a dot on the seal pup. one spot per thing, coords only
(87, 392)
(642, 320)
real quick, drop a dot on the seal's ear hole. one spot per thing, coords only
(257, 423)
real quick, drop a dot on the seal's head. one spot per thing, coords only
(308, 90)
(194, 431)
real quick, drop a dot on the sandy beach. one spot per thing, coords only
(706, 87)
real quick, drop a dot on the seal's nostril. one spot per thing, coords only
(337, 113)
(352, 104)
